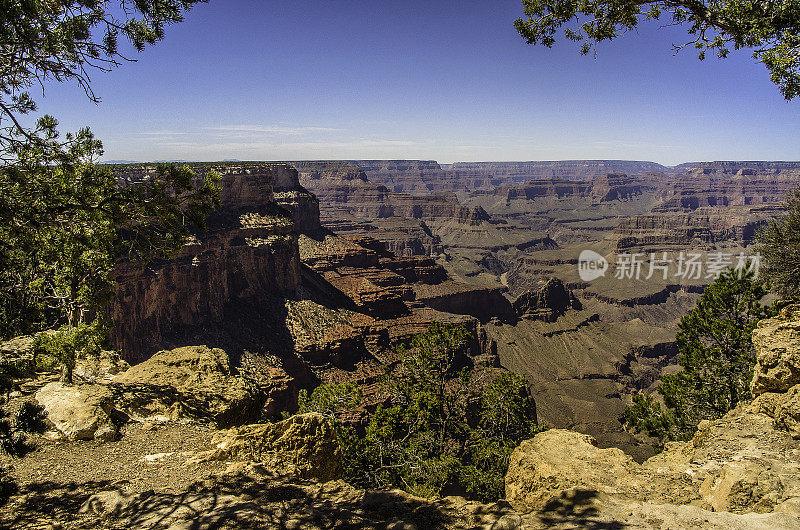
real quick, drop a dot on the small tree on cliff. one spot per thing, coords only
(716, 357)
(442, 428)
(770, 28)
(63, 219)
(779, 245)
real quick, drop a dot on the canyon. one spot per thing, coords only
(313, 271)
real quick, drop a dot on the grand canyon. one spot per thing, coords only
(313, 271)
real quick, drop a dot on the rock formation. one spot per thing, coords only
(743, 463)
(248, 254)
(548, 303)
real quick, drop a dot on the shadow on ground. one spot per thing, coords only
(229, 501)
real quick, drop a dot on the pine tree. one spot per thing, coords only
(716, 357)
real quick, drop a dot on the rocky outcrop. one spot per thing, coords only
(290, 195)
(81, 412)
(777, 341)
(193, 382)
(547, 303)
(248, 254)
(303, 445)
(558, 460)
(746, 462)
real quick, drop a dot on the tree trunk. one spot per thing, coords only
(66, 375)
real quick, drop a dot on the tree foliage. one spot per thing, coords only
(771, 28)
(65, 40)
(779, 245)
(443, 427)
(716, 357)
(64, 220)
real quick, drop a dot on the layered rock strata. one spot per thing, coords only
(249, 253)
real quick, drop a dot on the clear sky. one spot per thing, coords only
(422, 79)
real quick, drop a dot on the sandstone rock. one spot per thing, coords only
(193, 382)
(557, 460)
(777, 344)
(304, 445)
(104, 366)
(787, 412)
(80, 412)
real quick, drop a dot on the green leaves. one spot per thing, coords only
(779, 244)
(716, 356)
(441, 426)
(771, 28)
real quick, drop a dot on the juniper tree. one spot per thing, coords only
(779, 245)
(716, 359)
(771, 29)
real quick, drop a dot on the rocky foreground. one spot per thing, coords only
(137, 458)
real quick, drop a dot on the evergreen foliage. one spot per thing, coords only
(770, 28)
(64, 221)
(438, 432)
(716, 357)
(779, 245)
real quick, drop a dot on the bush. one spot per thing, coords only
(716, 354)
(436, 433)
(779, 245)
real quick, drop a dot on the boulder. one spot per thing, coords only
(777, 344)
(17, 357)
(787, 412)
(557, 460)
(81, 412)
(102, 367)
(193, 382)
(304, 445)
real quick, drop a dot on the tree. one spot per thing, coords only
(716, 357)
(779, 245)
(64, 221)
(770, 28)
(442, 426)
(64, 40)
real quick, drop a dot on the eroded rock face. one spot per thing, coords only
(194, 382)
(304, 445)
(777, 344)
(248, 254)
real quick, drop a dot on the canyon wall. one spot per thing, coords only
(249, 252)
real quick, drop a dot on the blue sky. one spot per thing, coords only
(450, 81)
